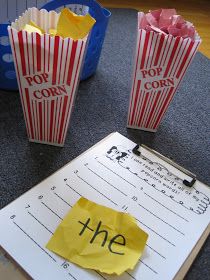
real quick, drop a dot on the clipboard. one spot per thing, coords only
(175, 230)
(136, 151)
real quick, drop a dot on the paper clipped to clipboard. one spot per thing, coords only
(137, 150)
(175, 216)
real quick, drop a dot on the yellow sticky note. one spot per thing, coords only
(97, 237)
(74, 26)
(32, 27)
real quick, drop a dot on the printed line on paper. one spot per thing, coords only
(160, 219)
(34, 241)
(61, 198)
(73, 189)
(86, 165)
(51, 210)
(96, 189)
(72, 276)
(40, 222)
(131, 275)
(115, 173)
(148, 266)
(101, 275)
(167, 208)
(156, 233)
(156, 251)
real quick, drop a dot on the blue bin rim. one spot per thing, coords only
(99, 10)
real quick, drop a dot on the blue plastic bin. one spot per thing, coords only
(7, 70)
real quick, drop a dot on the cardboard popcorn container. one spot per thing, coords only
(47, 70)
(161, 61)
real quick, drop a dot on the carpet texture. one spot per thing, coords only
(101, 108)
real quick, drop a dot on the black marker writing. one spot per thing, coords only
(118, 239)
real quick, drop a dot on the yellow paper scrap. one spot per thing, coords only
(32, 27)
(98, 237)
(74, 26)
(35, 25)
(52, 32)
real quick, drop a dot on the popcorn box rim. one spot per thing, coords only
(14, 29)
(197, 36)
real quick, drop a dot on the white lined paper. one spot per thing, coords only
(111, 175)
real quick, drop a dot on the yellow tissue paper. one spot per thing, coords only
(32, 27)
(74, 26)
(35, 25)
(100, 238)
(69, 25)
(52, 32)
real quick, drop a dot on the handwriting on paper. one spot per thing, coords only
(97, 237)
(118, 239)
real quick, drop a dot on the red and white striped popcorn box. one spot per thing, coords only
(47, 70)
(159, 66)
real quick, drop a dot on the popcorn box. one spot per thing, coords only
(47, 70)
(161, 61)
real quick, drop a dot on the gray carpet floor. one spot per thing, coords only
(101, 108)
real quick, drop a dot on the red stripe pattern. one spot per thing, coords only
(38, 51)
(160, 64)
(22, 54)
(48, 71)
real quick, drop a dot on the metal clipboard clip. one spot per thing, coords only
(169, 161)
